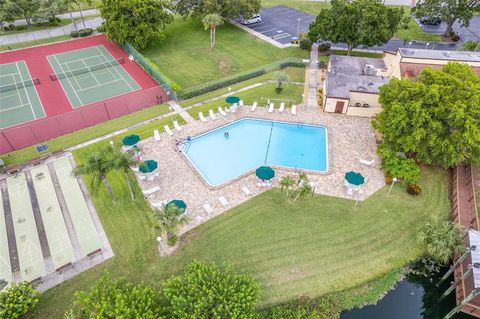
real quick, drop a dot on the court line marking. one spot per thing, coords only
(13, 107)
(28, 97)
(74, 91)
(36, 93)
(103, 54)
(7, 96)
(72, 76)
(108, 68)
(103, 84)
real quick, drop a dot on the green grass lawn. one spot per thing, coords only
(266, 91)
(320, 245)
(89, 133)
(32, 43)
(185, 55)
(294, 75)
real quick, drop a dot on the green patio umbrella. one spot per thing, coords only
(232, 99)
(265, 173)
(131, 139)
(354, 178)
(179, 203)
(147, 166)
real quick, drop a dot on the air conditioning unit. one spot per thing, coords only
(369, 69)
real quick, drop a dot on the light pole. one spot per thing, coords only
(391, 185)
(426, 45)
(298, 29)
(111, 143)
(360, 192)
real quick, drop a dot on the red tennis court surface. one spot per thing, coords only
(61, 118)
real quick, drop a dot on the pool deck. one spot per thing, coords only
(350, 139)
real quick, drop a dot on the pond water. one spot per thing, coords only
(416, 297)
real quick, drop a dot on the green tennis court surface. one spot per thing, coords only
(90, 75)
(19, 101)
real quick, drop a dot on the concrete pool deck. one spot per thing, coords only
(350, 139)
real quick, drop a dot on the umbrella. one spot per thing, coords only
(354, 178)
(131, 139)
(179, 203)
(147, 166)
(232, 99)
(265, 173)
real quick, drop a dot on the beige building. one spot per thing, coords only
(352, 84)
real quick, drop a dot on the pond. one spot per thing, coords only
(416, 297)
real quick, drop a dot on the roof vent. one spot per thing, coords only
(370, 83)
(473, 247)
(369, 69)
(476, 265)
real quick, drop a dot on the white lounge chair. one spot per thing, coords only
(167, 129)
(223, 201)
(367, 163)
(282, 107)
(254, 106)
(349, 192)
(271, 107)
(240, 103)
(156, 135)
(177, 127)
(199, 218)
(208, 208)
(159, 204)
(212, 115)
(294, 109)
(246, 191)
(151, 191)
(142, 177)
(233, 108)
(221, 111)
(202, 118)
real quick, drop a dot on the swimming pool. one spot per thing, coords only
(250, 143)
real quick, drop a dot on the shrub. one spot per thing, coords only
(20, 27)
(85, 32)
(74, 34)
(306, 308)
(17, 300)
(9, 27)
(388, 179)
(278, 90)
(207, 291)
(172, 240)
(405, 169)
(414, 189)
(305, 44)
(324, 46)
(455, 38)
(101, 28)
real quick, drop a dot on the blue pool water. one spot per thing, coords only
(252, 143)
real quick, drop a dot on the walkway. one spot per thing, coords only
(75, 14)
(92, 23)
(313, 79)
(181, 111)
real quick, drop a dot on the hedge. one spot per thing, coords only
(81, 33)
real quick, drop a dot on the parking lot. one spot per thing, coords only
(472, 33)
(282, 24)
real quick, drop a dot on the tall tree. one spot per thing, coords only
(449, 11)
(27, 9)
(207, 291)
(17, 300)
(225, 8)
(8, 12)
(125, 161)
(140, 22)
(97, 166)
(356, 22)
(435, 117)
(211, 21)
(50, 8)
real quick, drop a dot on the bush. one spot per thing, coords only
(9, 27)
(20, 27)
(406, 169)
(414, 189)
(306, 308)
(17, 300)
(74, 34)
(324, 46)
(85, 32)
(278, 90)
(388, 179)
(101, 28)
(455, 38)
(172, 240)
(305, 44)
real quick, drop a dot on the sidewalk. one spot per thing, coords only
(75, 14)
(92, 23)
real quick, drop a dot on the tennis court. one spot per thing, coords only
(90, 75)
(19, 101)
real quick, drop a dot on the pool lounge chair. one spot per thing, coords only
(167, 129)
(246, 190)
(202, 118)
(223, 201)
(151, 190)
(240, 103)
(254, 106)
(212, 115)
(271, 107)
(221, 111)
(233, 108)
(294, 110)
(156, 136)
(208, 208)
(177, 127)
(282, 107)
(367, 163)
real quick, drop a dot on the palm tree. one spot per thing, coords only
(303, 190)
(441, 239)
(169, 218)
(286, 182)
(125, 161)
(211, 21)
(98, 165)
(280, 77)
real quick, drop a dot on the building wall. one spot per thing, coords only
(368, 98)
(363, 112)
(393, 65)
(330, 104)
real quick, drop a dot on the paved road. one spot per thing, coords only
(48, 33)
(75, 14)
(472, 33)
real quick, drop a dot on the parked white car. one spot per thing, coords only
(256, 18)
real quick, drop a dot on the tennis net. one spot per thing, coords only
(19, 85)
(87, 69)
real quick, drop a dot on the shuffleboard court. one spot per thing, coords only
(28, 244)
(5, 267)
(81, 218)
(91, 75)
(19, 101)
(55, 228)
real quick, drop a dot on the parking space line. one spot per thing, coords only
(268, 31)
(264, 26)
(281, 36)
